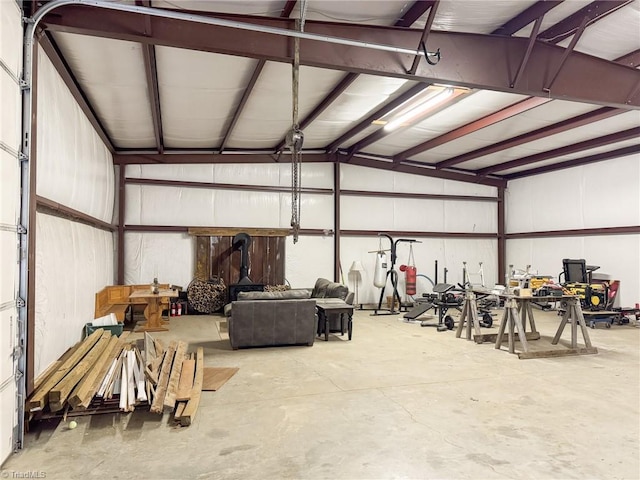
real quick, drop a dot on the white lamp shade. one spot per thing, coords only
(357, 266)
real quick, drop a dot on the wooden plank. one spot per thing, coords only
(558, 353)
(158, 401)
(215, 377)
(230, 232)
(39, 397)
(190, 410)
(174, 377)
(58, 395)
(115, 353)
(83, 391)
(179, 410)
(50, 370)
(186, 380)
(492, 337)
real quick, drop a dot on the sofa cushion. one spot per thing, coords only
(300, 293)
(327, 289)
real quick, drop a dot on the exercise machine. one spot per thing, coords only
(392, 275)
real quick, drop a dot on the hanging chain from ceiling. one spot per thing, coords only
(295, 136)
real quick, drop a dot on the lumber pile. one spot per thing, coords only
(105, 371)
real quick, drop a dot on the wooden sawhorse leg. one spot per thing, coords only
(469, 315)
(511, 318)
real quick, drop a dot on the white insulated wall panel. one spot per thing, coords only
(73, 262)
(311, 257)
(604, 194)
(74, 166)
(407, 214)
(168, 256)
(159, 205)
(353, 177)
(617, 256)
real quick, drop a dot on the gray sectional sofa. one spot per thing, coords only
(260, 319)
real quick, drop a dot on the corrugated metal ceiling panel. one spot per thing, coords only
(538, 117)
(267, 116)
(112, 76)
(475, 105)
(365, 95)
(198, 93)
(555, 15)
(583, 154)
(269, 8)
(609, 126)
(375, 13)
(613, 36)
(475, 16)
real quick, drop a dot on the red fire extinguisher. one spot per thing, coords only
(179, 309)
(173, 309)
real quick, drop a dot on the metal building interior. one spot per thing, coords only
(505, 132)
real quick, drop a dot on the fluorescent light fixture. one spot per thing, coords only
(412, 114)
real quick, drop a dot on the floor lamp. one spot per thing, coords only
(357, 269)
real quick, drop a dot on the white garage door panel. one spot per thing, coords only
(8, 318)
(8, 416)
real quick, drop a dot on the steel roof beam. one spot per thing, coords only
(418, 9)
(571, 24)
(631, 59)
(61, 66)
(598, 157)
(469, 60)
(348, 79)
(286, 11)
(523, 19)
(151, 71)
(425, 171)
(210, 158)
(503, 114)
(569, 124)
(566, 150)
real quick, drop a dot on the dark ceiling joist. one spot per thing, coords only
(631, 59)
(52, 51)
(409, 17)
(286, 11)
(415, 11)
(243, 102)
(362, 125)
(467, 56)
(425, 171)
(151, 71)
(575, 122)
(571, 24)
(425, 35)
(213, 158)
(474, 126)
(629, 134)
(529, 15)
(598, 157)
(338, 90)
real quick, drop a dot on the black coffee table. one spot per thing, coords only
(334, 306)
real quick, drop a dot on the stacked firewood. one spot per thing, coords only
(104, 368)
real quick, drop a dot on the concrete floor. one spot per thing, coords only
(398, 401)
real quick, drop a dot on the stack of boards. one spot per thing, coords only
(106, 373)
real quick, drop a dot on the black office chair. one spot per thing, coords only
(576, 271)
